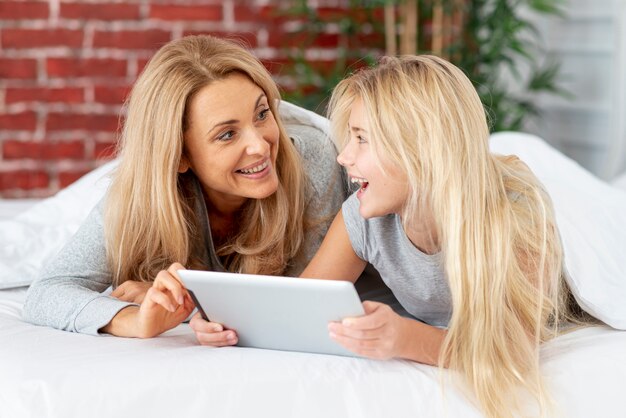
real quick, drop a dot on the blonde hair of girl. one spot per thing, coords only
(494, 221)
(149, 222)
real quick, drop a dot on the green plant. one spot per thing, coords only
(489, 39)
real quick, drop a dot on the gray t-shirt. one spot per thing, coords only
(416, 279)
(68, 293)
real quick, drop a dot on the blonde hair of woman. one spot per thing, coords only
(149, 220)
(494, 222)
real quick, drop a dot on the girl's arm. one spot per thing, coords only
(383, 334)
(335, 259)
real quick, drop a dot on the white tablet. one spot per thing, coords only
(279, 313)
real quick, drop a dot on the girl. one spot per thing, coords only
(466, 240)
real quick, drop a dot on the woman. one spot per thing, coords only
(209, 178)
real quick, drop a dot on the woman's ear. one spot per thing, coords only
(183, 166)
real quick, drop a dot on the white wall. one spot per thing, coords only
(590, 43)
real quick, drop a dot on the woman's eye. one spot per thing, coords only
(360, 139)
(226, 136)
(263, 114)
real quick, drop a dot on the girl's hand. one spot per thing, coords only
(212, 333)
(132, 291)
(379, 334)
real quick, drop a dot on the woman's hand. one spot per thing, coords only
(212, 333)
(132, 291)
(165, 305)
(379, 334)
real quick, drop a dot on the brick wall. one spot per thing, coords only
(67, 65)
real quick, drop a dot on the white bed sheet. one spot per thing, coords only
(50, 373)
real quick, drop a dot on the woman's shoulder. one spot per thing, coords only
(309, 133)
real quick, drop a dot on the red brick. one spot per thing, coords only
(46, 95)
(23, 10)
(171, 12)
(279, 38)
(104, 150)
(276, 65)
(131, 39)
(85, 122)
(24, 179)
(100, 11)
(86, 67)
(334, 14)
(34, 38)
(369, 40)
(24, 121)
(68, 177)
(141, 64)
(248, 39)
(111, 94)
(14, 150)
(18, 68)
(269, 15)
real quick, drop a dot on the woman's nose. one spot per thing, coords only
(256, 143)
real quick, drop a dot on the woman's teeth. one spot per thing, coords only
(256, 169)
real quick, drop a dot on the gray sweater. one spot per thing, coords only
(68, 293)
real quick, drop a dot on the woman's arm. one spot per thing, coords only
(335, 259)
(165, 305)
(68, 295)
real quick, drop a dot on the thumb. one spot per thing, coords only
(371, 306)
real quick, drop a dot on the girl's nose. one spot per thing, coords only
(346, 157)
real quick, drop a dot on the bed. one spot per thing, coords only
(50, 373)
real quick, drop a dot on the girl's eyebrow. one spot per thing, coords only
(357, 129)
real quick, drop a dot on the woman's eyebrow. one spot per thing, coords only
(232, 121)
(258, 100)
(357, 129)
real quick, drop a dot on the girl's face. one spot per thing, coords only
(231, 143)
(381, 193)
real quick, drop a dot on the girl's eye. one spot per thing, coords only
(263, 114)
(361, 140)
(226, 136)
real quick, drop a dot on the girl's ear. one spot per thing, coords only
(184, 164)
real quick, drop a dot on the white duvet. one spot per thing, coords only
(50, 373)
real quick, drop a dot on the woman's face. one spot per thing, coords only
(231, 143)
(381, 192)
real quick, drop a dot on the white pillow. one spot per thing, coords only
(591, 216)
(31, 238)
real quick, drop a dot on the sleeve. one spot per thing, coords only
(327, 187)
(355, 226)
(67, 295)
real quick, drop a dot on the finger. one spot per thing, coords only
(120, 290)
(173, 270)
(161, 298)
(363, 334)
(200, 325)
(165, 280)
(360, 347)
(376, 316)
(217, 339)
